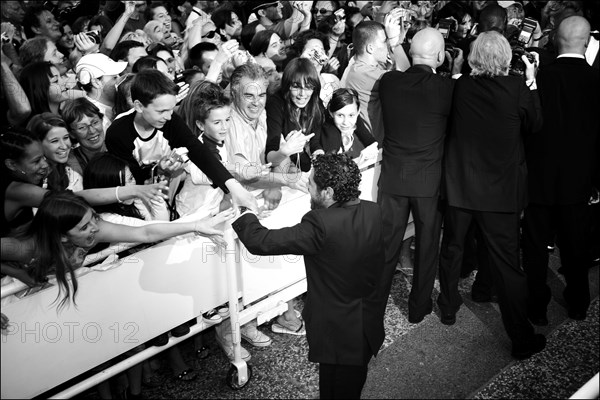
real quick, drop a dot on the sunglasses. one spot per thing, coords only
(322, 11)
(211, 34)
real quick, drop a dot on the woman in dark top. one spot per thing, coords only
(344, 130)
(296, 114)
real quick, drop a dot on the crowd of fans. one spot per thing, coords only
(131, 112)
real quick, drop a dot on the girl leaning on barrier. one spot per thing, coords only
(66, 227)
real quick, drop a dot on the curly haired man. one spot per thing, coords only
(341, 239)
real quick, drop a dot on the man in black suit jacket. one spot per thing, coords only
(416, 105)
(563, 164)
(342, 243)
(485, 181)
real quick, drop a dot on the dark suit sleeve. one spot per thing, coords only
(530, 109)
(199, 154)
(305, 238)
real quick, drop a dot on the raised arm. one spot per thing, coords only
(112, 37)
(18, 103)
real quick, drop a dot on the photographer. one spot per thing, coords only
(491, 112)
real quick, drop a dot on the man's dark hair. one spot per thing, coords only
(121, 50)
(146, 62)
(150, 84)
(302, 38)
(222, 16)
(493, 18)
(364, 33)
(339, 172)
(196, 53)
(32, 20)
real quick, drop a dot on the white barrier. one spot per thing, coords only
(588, 391)
(143, 296)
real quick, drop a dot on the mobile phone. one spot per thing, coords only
(529, 25)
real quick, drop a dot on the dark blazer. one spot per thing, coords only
(416, 106)
(331, 137)
(344, 255)
(485, 156)
(563, 157)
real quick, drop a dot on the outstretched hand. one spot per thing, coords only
(207, 226)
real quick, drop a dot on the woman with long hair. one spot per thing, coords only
(314, 46)
(52, 131)
(66, 227)
(296, 114)
(45, 88)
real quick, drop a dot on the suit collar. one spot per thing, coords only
(420, 68)
(571, 60)
(346, 204)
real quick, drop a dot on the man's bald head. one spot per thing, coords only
(427, 47)
(572, 35)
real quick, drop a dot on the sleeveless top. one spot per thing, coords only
(24, 216)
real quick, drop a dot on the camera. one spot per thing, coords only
(446, 68)
(446, 26)
(517, 66)
(318, 56)
(339, 15)
(179, 78)
(94, 36)
(527, 29)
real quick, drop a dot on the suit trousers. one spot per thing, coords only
(500, 232)
(338, 381)
(427, 219)
(572, 224)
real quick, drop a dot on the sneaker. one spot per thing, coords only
(212, 317)
(227, 345)
(252, 335)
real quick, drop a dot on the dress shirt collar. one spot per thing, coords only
(572, 55)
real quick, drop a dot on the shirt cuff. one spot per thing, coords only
(531, 84)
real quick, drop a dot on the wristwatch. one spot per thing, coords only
(243, 209)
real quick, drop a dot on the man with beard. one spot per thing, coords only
(342, 243)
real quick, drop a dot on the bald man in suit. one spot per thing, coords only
(416, 105)
(563, 172)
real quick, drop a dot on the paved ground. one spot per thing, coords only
(470, 359)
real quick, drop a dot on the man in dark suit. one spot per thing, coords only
(563, 164)
(416, 105)
(485, 181)
(342, 243)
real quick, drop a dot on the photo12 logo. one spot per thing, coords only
(71, 332)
